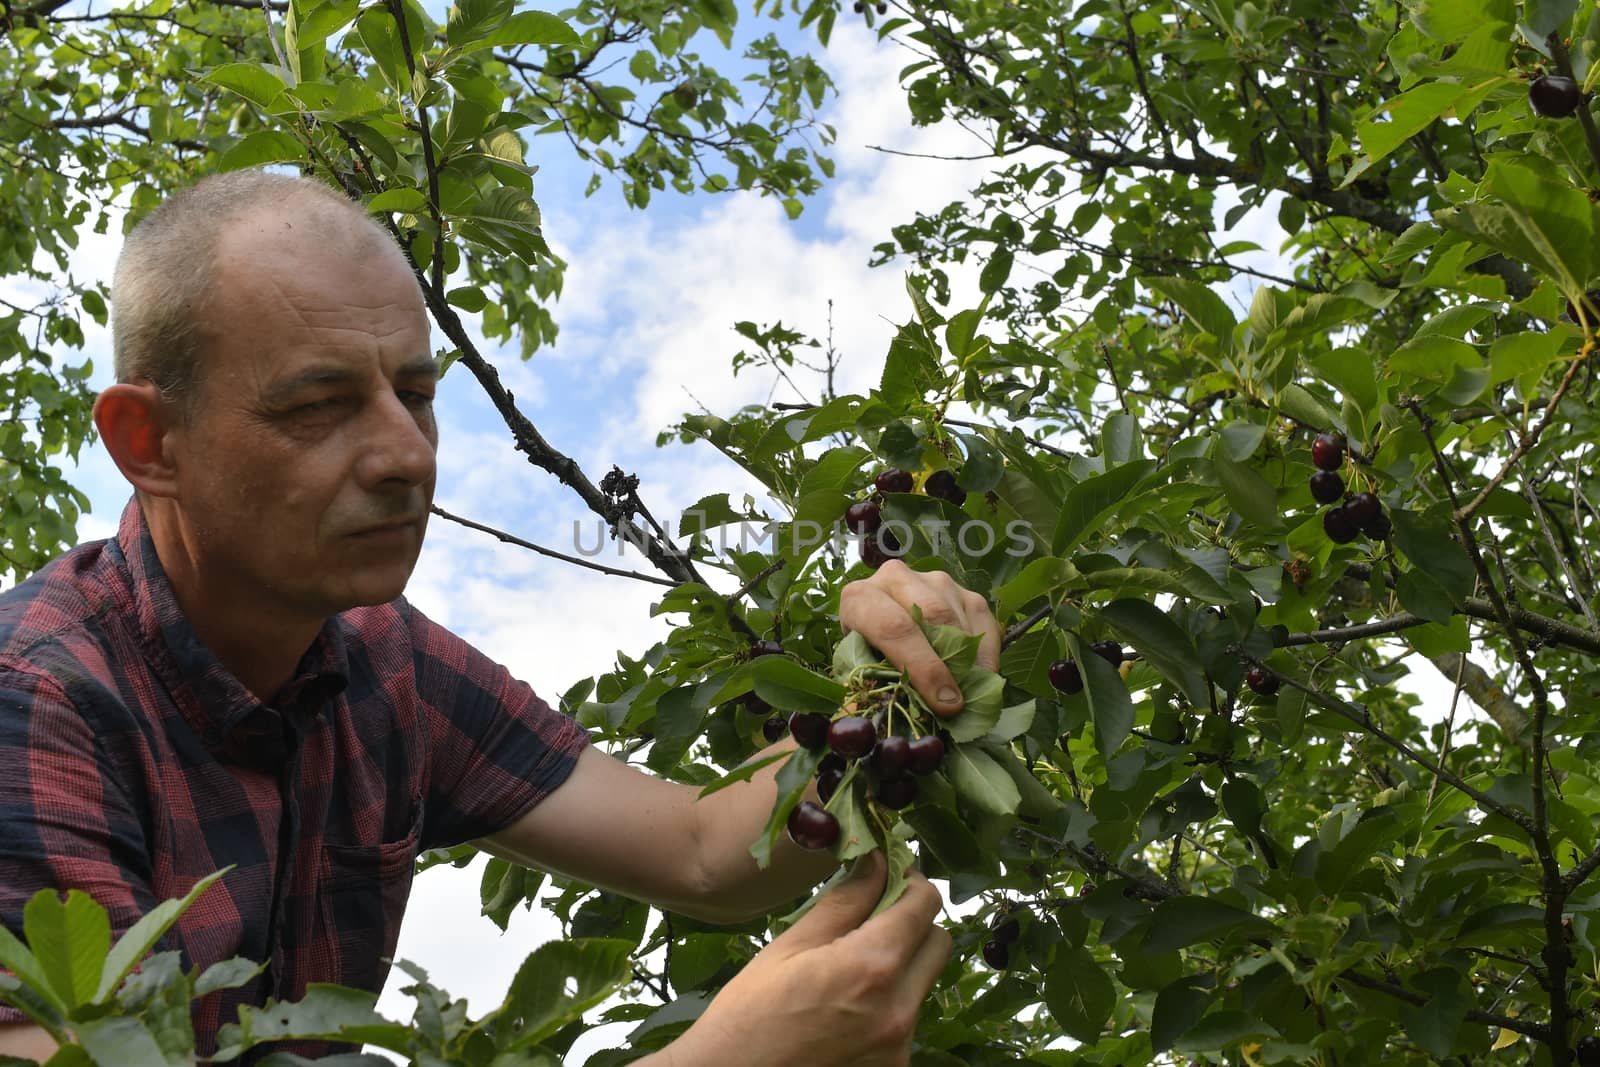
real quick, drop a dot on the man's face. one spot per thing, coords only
(307, 469)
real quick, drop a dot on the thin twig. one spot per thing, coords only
(1526, 443)
(512, 539)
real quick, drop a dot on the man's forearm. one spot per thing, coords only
(729, 822)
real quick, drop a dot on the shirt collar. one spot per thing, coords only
(213, 701)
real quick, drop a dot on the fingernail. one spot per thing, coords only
(948, 695)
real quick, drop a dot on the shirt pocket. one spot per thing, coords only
(364, 894)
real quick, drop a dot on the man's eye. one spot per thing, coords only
(421, 400)
(315, 407)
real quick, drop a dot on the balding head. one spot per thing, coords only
(166, 275)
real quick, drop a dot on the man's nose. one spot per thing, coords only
(401, 447)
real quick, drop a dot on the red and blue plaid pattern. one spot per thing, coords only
(132, 764)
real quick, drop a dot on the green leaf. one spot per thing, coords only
(15, 957)
(1200, 303)
(1162, 643)
(1223, 1029)
(1178, 1007)
(1396, 121)
(1090, 501)
(560, 981)
(744, 772)
(143, 935)
(326, 1012)
(996, 270)
(852, 653)
(226, 974)
(793, 779)
(529, 27)
(1110, 707)
(1183, 921)
(857, 833)
(1079, 993)
(122, 1041)
(1040, 577)
(1248, 493)
(402, 199)
(70, 940)
(1517, 354)
(786, 685)
(981, 781)
(260, 148)
(911, 369)
(1432, 550)
(981, 691)
(253, 81)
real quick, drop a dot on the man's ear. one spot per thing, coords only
(134, 422)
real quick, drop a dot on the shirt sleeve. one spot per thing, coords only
(65, 818)
(497, 748)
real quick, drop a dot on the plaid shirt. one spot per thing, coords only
(132, 764)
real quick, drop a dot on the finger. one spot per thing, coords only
(904, 925)
(980, 620)
(889, 627)
(927, 964)
(841, 910)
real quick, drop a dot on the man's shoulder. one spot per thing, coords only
(64, 605)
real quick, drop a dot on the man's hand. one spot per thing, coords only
(837, 988)
(879, 608)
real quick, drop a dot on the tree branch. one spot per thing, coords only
(512, 539)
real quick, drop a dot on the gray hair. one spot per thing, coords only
(164, 274)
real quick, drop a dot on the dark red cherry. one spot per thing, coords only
(1006, 931)
(765, 648)
(831, 762)
(811, 827)
(997, 955)
(927, 753)
(852, 736)
(810, 728)
(896, 793)
(755, 705)
(1340, 527)
(1064, 676)
(1327, 451)
(1588, 1051)
(878, 549)
(894, 481)
(773, 729)
(828, 784)
(891, 757)
(1109, 651)
(1326, 487)
(942, 484)
(1364, 507)
(864, 516)
(1262, 681)
(1554, 96)
(1379, 528)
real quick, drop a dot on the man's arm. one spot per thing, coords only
(617, 827)
(27, 1041)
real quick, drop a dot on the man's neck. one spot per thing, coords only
(257, 644)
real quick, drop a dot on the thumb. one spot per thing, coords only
(841, 909)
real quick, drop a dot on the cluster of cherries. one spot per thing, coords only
(1361, 513)
(1066, 677)
(892, 761)
(865, 517)
(1002, 935)
(882, 6)
(772, 726)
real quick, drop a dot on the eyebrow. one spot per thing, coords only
(421, 367)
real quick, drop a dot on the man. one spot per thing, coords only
(235, 678)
